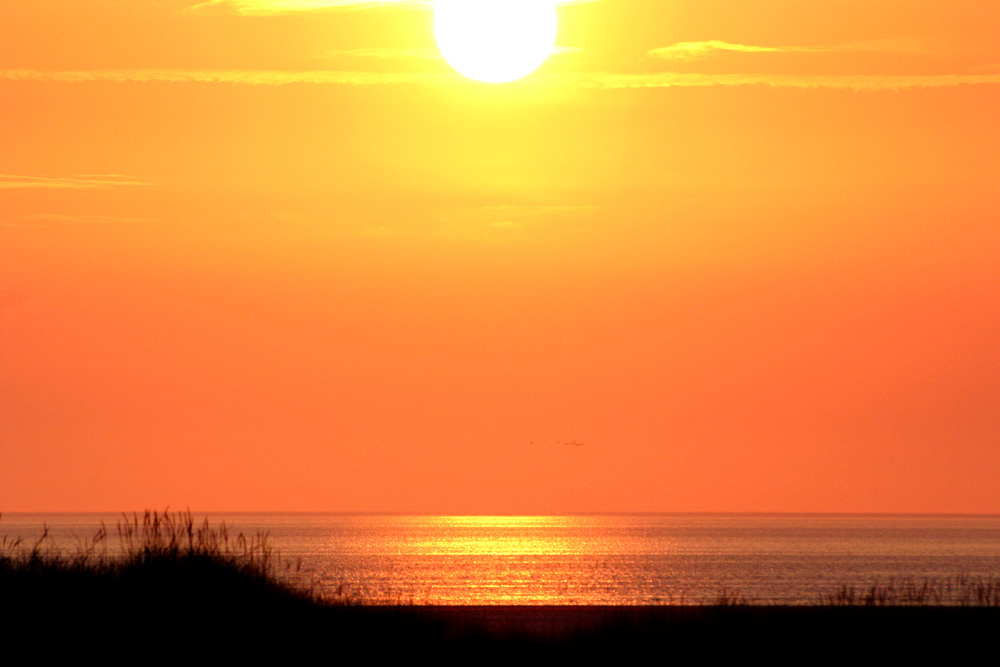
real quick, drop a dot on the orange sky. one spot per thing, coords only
(263, 255)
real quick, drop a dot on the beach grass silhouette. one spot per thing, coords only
(159, 571)
(162, 563)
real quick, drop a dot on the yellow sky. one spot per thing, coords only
(278, 255)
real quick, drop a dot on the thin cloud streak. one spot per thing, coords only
(387, 53)
(99, 219)
(543, 208)
(857, 82)
(685, 51)
(10, 181)
(383, 53)
(566, 50)
(249, 77)
(592, 80)
(275, 7)
(688, 51)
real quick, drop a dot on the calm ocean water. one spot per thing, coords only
(600, 559)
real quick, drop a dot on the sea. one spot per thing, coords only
(605, 559)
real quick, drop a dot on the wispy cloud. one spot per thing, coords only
(386, 53)
(591, 80)
(273, 7)
(858, 82)
(249, 77)
(686, 51)
(536, 208)
(506, 218)
(565, 50)
(8, 181)
(97, 219)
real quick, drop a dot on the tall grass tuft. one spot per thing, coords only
(164, 536)
(152, 537)
(162, 566)
(161, 581)
(956, 591)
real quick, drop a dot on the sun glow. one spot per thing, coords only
(495, 41)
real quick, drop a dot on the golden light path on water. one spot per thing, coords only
(500, 535)
(628, 559)
(488, 560)
(645, 559)
(496, 559)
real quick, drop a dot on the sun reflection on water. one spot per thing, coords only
(488, 560)
(600, 559)
(497, 535)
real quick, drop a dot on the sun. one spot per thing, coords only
(495, 40)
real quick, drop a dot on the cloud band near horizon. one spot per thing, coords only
(592, 80)
(10, 181)
(275, 7)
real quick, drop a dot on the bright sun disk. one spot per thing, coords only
(495, 41)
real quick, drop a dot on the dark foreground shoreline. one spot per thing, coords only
(183, 592)
(561, 622)
(532, 634)
(792, 634)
